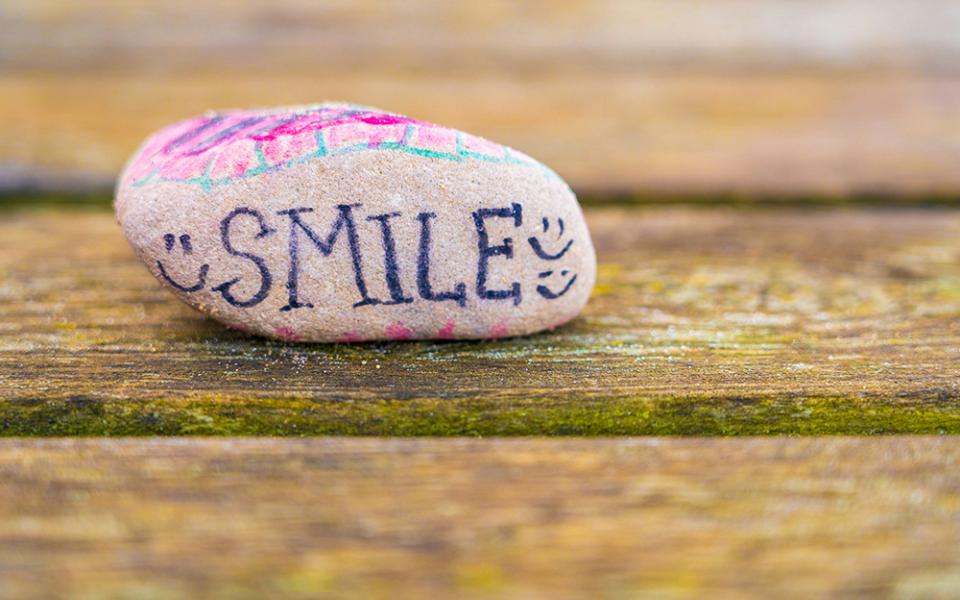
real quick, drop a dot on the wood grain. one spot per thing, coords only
(703, 322)
(659, 135)
(831, 99)
(677, 518)
(495, 35)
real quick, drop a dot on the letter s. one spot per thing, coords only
(265, 279)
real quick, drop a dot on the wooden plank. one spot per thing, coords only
(779, 98)
(702, 322)
(758, 518)
(666, 134)
(496, 35)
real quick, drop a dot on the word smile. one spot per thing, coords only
(302, 236)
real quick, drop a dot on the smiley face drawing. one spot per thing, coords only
(169, 242)
(539, 248)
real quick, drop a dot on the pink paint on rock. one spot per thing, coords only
(146, 163)
(500, 330)
(185, 167)
(281, 150)
(479, 145)
(292, 124)
(321, 119)
(436, 138)
(233, 127)
(224, 147)
(233, 161)
(287, 334)
(361, 134)
(446, 332)
(372, 118)
(398, 331)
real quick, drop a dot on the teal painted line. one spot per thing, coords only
(321, 144)
(350, 149)
(262, 165)
(462, 151)
(204, 180)
(197, 180)
(320, 152)
(508, 157)
(146, 179)
(484, 157)
(431, 153)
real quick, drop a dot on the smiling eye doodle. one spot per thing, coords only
(538, 248)
(537, 245)
(169, 242)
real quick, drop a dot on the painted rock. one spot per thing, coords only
(338, 222)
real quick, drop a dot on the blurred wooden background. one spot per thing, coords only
(825, 98)
(703, 322)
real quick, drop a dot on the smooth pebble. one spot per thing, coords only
(338, 222)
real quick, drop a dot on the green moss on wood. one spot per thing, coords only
(710, 416)
(702, 323)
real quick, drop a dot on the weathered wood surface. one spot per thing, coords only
(776, 98)
(355, 518)
(833, 137)
(495, 35)
(702, 322)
